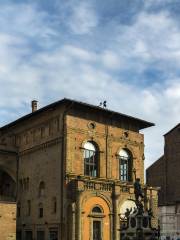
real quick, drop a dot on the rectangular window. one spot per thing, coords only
(28, 235)
(97, 230)
(40, 235)
(124, 170)
(53, 235)
(28, 208)
(41, 212)
(90, 163)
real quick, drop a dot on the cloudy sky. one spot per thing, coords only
(124, 51)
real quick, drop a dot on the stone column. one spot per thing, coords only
(78, 215)
(116, 217)
(111, 225)
(73, 220)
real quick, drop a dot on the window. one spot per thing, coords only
(96, 210)
(40, 235)
(41, 189)
(125, 165)
(28, 208)
(54, 205)
(90, 159)
(53, 234)
(41, 212)
(28, 235)
(97, 230)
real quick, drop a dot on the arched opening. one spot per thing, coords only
(97, 209)
(7, 187)
(91, 159)
(95, 219)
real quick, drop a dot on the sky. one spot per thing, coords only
(124, 51)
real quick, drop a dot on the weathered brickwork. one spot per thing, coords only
(7, 221)
(164, 173)
(54, 195)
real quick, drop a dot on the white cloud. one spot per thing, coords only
(111, 60)
(83, 18)
(31, 68)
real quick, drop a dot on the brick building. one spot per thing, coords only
(165, 173)
(70, 166)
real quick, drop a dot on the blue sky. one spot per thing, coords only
(124, 51)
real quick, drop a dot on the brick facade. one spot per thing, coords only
(164, 173)
(54, 195)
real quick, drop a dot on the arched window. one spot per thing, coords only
(96, 209)
(41, 189)
(125, 165)
(90, 159)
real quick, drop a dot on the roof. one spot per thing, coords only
(177, 126)
(142, 123)
(154, 164)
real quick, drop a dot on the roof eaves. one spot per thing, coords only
(143, 123)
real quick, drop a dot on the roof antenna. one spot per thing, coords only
(103, 104)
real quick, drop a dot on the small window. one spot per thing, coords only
(41, 211)
(54, 205)
(96, 210)
(41, 189)
(40, 235)
(28, 235)
(90, 159)
(28, 208)
(53, 234)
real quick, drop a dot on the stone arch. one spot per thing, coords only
(126, 203)
(9, 171)
(7, 186)
(129, 148)
(88, 195)
(94, 139)
(89, 219)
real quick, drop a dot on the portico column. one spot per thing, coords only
(78, 215)
(73, 220)
(116, 217)
(111, 225)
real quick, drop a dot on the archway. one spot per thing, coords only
(124, 208)
(96, 223)
(7, 187)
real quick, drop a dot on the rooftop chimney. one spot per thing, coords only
(34, 105)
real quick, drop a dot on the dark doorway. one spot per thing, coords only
(97, 230)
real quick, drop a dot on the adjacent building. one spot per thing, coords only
(165, 173)
(71, 166)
